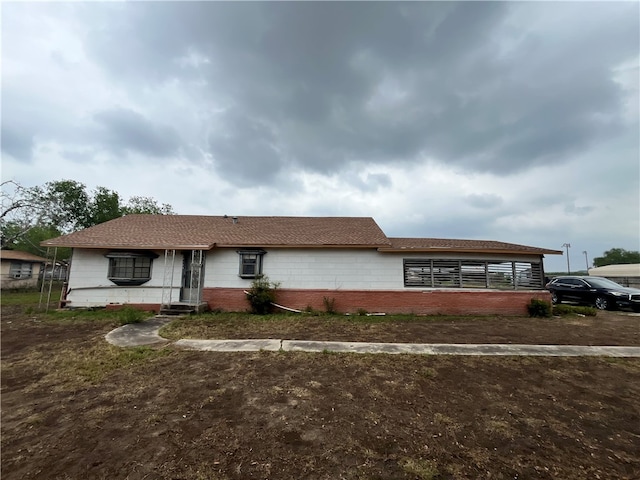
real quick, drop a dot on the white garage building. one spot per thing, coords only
(624, 274)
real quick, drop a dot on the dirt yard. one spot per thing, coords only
(75, 407)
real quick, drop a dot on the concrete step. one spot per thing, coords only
(182, 309)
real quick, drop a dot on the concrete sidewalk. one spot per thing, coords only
(146, 333)
(410, 348)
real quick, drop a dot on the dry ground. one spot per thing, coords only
(75, 407)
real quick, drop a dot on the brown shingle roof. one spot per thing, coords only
(18, 255)
(205, 232)
(467, 246)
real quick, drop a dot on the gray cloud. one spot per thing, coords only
(245, 149)
(319, 80)
(573, 209)
(371, 182)
(17, 142)
(261, 99)
(28, 119)
(486, 86)
(124, 129)
(484, 200)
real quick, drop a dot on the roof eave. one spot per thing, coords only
(466, 250)
(309, 245)
(129, 247)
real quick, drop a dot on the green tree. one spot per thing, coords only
(64, 203)
(20, 211)
(146, 205)
(617, 256)
(30, 215)
(105, 205)
(29, 241)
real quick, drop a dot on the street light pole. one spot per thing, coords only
(586, 260)
(567, 245)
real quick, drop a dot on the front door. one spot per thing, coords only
(192, 276)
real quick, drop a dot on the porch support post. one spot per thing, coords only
(44, 274)
(167, 281)
(195, 282)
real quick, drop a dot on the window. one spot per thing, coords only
(20, 270)
(251, 263)
(472, 274)
(130, 268)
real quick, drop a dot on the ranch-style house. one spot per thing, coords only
(158, 262)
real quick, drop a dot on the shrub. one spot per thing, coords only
(329, 305)
(261, 295)
(128, 315)
(539, 308)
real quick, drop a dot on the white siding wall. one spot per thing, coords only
(310, 268)
(89, 285)
(348, 269)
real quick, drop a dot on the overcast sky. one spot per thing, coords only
(515, 122)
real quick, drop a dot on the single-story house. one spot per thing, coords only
(154, 261)
(627, 274)
(19, 269)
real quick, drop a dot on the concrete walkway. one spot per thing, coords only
(136, 334)
(146, 333)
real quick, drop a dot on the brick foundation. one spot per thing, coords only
(431, 302)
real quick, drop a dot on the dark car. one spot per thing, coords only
(600, 292)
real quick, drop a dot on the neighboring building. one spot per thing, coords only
(625, 274)
(161, 260)
(19, 269)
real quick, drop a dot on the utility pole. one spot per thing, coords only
(586, 260)
(567, 245)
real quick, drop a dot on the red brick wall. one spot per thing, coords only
(433, 302)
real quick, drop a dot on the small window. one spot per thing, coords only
(20, 270)
(251, 263)
(130, 268)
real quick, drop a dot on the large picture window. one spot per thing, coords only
(130, 268)
(251, 263)
(435, 273)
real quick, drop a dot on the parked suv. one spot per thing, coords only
(600, 292)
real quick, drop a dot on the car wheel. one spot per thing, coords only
(555, 298)
(602, 303)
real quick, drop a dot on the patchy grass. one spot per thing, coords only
(608, 328)
(27, 302)
(94, 364)
(422, 469)
(84, 363)
(232, 325)
(24, 298)
(293, 415)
